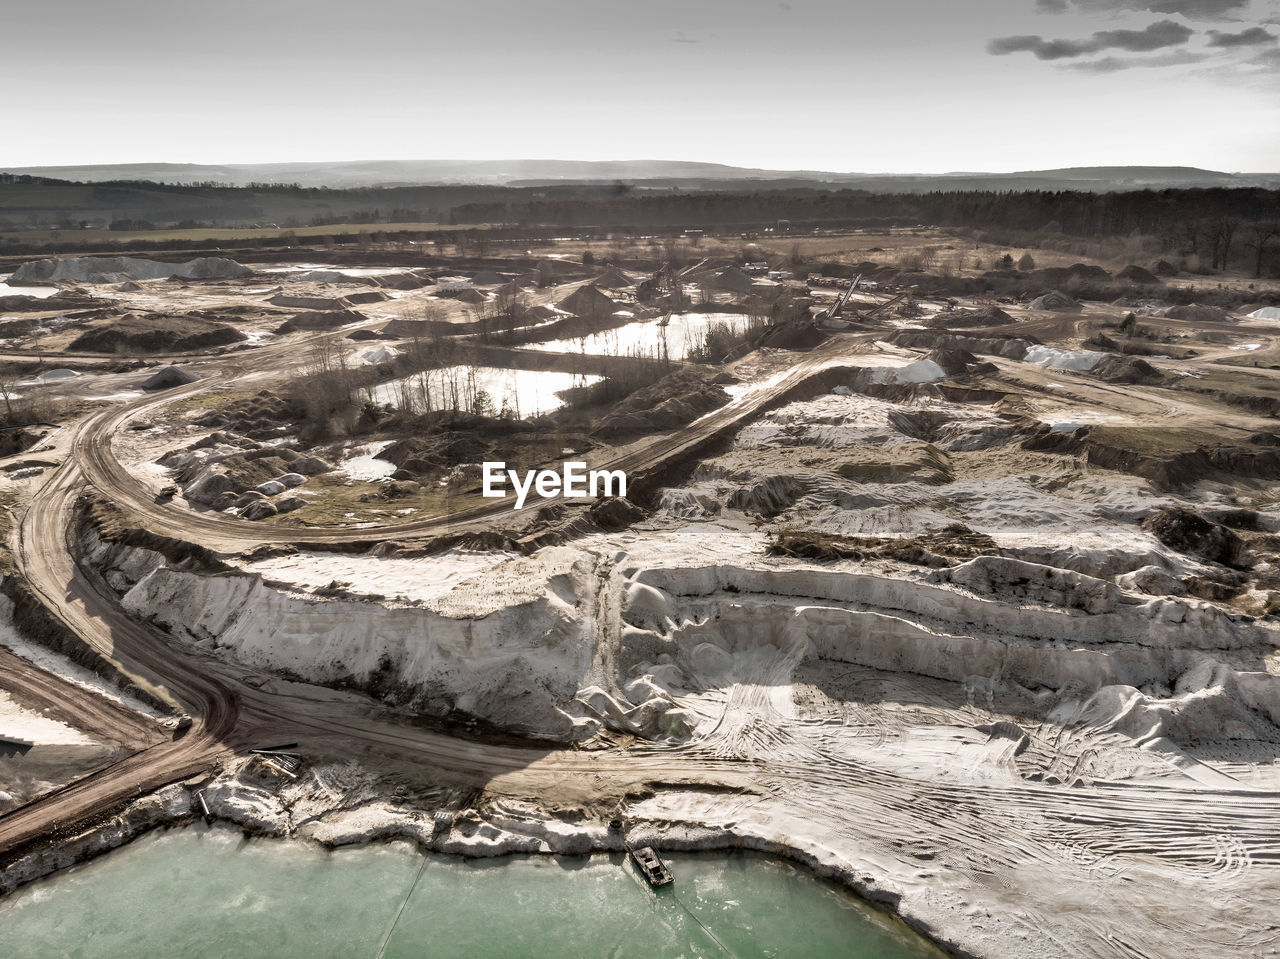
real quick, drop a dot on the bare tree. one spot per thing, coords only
(8, 381)
(1224, 231)
(1260, 234)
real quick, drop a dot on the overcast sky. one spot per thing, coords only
(889, 86)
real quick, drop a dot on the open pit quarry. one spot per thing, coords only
(973, 607)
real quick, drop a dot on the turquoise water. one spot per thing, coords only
(197, 894)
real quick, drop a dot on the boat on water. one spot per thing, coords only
(651, 866)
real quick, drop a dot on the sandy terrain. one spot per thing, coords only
(1019, 680)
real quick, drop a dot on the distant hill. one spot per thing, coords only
(642, 174)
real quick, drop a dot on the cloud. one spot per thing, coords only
(1191, 9)
(1042, 48)
(1116, 64)
(1156, 36)
(1245, 38)
(682, 37)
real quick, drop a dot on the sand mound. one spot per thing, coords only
(732, 280)
(1061, 275)
(1198, 313)
(1055, 302)
(676, 399)
(83, 268)
(921, 371)
(258, 415)
(1266, 313)
(365, 334)
(1128, 369)
(612, 279)
(52, 376)
(168, 378)
(320, 276)
(153, 334)
(1136, 274)
(366, 296)
(801, 334)
(488, 278)
(323, 320)
(1056, 359)
(11, 329)
(954, 362)
(589, 303)
(962, 319)
(309, 302)
(379, 354)
(403, 281)
(1189, 532)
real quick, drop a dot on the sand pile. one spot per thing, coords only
(589, 303)
(82, 268)
(1190, 532)
(154, 334)
(1010, 347)
(322, 320)
(1056, 359)
(612, 279)
(1128, 369)
(1061, 275)
(168, 378)
(309, 302)
(1266, 313)
(52, 376)
(1055, 302)
(228, 471)
(732, 280)
(259, 415)
(953, 362)
(65, 300)
(321, 276)
(379, 355)
(799, 334)
(366, 296)
(403, 281)
(961, 319)
(1198, 313)
(676, 399)
(1136, 274)
(921, 371)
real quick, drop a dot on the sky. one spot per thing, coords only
(895, 86)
